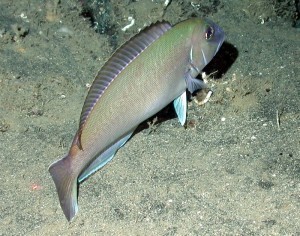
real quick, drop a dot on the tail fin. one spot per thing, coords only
(66, 185)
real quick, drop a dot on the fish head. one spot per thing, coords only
(206, 41)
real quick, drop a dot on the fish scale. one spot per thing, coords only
(144, 75)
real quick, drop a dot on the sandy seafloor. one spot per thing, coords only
(235, 169)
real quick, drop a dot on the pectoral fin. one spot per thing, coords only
(193, 84)
(180, 104)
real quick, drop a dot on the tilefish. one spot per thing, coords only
(155, 67)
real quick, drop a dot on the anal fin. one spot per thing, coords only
(104, 158)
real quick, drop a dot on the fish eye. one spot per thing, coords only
(209, 32)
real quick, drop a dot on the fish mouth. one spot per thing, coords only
(221, 37)
(219, 45)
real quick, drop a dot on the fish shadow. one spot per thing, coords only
(222, 61)
(167, 113)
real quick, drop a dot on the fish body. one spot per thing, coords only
(144, 75)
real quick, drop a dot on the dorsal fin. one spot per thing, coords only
(117, 63)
